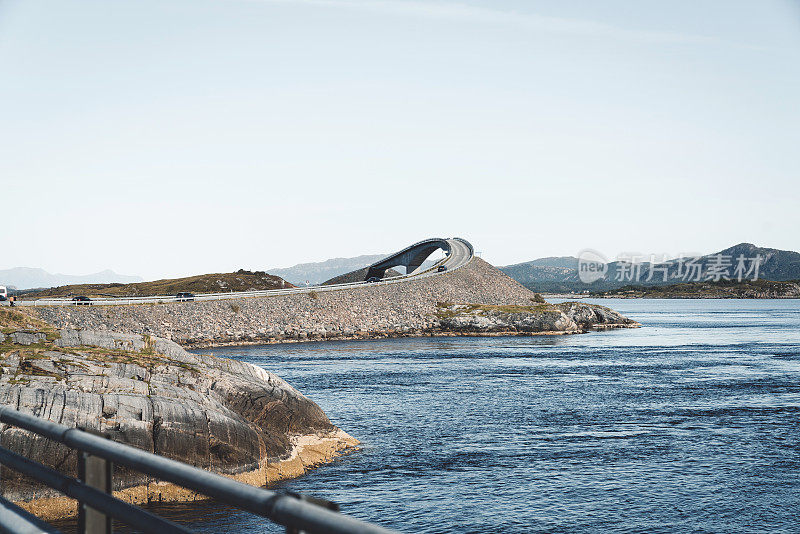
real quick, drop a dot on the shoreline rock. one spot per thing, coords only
(226, 416)
(537, 319)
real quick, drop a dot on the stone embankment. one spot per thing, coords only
(408, 308)
(221, 415)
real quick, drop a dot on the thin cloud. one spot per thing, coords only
(455, 11)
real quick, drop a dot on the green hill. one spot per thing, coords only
(241, 280)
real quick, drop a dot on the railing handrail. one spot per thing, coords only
(281, 508)
(130, 514)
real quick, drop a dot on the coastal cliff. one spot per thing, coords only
(225, 416)
(408, 308)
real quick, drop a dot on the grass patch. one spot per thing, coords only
(26, 368)
(446, 312)
(149, 345)
(33, 361)
(15, 320)
(147, 357)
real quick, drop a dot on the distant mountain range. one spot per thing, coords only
(547, 275)
(316, 273)
(560, 274)
(30, 278)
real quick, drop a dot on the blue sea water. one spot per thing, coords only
(690, 423)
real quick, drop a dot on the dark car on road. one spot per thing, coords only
(373, 279)
(81, 300)
(441, 269)
(184, 297)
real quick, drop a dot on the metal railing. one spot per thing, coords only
(97, 506)
(160, 299)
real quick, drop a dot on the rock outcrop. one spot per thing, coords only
(594, 316)
(222, 415)
(564, 318)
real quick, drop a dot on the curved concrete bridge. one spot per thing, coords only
(458, 253)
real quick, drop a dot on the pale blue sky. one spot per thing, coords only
(166, 138)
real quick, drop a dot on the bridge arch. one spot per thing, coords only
(410, 257)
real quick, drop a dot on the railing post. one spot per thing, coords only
(98, 473)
